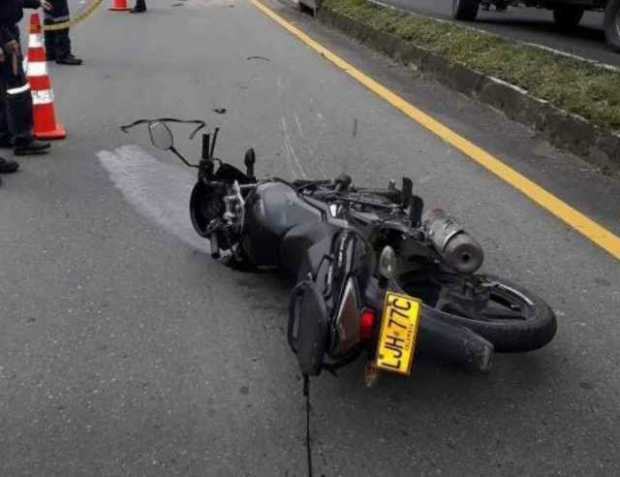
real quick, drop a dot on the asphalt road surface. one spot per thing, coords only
(126, 351)
(529, 25)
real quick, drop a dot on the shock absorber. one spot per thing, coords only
(215, 246)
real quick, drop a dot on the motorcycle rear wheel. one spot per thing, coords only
(514, 319)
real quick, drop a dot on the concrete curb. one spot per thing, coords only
(564, 130)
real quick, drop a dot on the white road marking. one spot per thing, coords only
(157, 190)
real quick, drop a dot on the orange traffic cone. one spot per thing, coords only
(45, 125)
(119, 6)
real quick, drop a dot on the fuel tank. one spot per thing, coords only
(272, 210)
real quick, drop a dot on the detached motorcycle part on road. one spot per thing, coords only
(373, 275)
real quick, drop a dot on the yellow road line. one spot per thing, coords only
(571, 216)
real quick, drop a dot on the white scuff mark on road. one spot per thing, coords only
(287, 151)
(213, 3)
(157, 190)
(288, 145)
(311, 148)
(295, 164)
(285, 145)
(299, 128)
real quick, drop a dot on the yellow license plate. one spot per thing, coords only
(399, 330)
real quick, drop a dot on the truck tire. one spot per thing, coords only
(612, 24)
(466, 10)
(568, 16)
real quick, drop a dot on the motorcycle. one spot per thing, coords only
(373, 274)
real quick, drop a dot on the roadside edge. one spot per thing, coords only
(562, 129)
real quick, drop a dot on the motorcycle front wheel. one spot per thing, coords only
(513, 319)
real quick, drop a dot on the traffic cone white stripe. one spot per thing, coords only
(35, 40)
(37, 68)
(42, 97)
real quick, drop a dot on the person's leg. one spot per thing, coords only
(6, 141)
(50, 37)
(18, 107)
(140, 6)
(6, 166)
(61, 38)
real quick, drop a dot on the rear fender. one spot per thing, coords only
(439, 339)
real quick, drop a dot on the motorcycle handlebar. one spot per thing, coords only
(200, 124)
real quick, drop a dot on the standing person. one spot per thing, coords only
(16, 121)
(140, 7)
(58, 42)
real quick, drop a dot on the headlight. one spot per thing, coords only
(388, 263)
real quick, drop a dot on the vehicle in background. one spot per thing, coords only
(310, 6)
(566, 13)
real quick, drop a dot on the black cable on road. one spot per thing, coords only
(308, 441)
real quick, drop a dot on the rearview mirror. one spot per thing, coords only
(161, 136)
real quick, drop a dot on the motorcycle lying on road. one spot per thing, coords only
(373, 274)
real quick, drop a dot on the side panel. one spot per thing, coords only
(271, 211)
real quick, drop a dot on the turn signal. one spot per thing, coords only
(367, 324)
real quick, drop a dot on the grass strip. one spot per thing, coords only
(576, 86)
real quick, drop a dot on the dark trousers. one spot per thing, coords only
(57, 43)
(16, 120)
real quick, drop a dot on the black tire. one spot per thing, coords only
(612, 24)
(466, 10)
(536, 329)
(568, 16)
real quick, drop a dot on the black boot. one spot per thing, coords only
(62, 52)
(8, 167)
(20, 121)
(6, 142)
(69, 60)
(31, 147)
(140, 7)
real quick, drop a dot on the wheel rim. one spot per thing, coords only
(455, 5)
(618, 23)
(509, 303)
(504, 305)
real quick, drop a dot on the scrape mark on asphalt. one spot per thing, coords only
(214, 3)
(157, 190)
(299, 128)
(290, 152)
